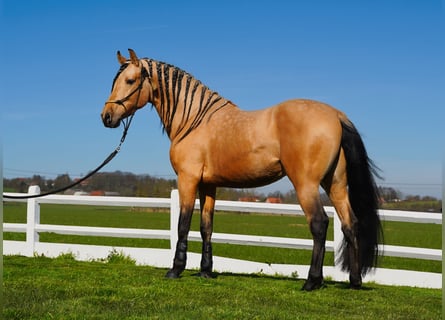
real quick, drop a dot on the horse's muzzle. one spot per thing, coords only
(107, 119)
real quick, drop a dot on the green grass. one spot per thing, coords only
(115, 288)
(62, 288)
(411, 205)
(396, 233)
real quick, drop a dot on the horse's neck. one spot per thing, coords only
(181, 100)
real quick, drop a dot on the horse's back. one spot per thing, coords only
(309, 112)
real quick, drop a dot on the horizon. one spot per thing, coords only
(264, 190)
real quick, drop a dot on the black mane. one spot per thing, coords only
(170, 85)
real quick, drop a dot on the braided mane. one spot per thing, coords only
(199, 101)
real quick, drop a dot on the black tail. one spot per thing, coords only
(364, 198)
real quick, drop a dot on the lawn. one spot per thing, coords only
(62, 288)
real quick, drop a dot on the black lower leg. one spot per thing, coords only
(318, 226)
(353, 258)
(355, 277)
(206, 260)
(179, 261)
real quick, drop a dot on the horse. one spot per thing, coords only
(216, 144)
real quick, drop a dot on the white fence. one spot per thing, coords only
(164, 257)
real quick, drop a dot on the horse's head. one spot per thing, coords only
(131, 90)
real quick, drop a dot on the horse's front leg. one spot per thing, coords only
(207, 204)
(187, 204)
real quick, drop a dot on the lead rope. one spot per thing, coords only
(103, 164)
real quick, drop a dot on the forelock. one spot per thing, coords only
(122, 68)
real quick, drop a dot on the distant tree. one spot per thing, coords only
(290, 197)
(227, 194)
(49, 184)
(389, 194)
(38, 180)
(275, 194)
(129, 184)
(62, 181)
(18, 185)
(412, 198)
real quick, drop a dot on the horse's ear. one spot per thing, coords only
(133, 58)
(121, 58)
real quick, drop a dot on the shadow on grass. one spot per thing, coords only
(327, 283)
(346, 286)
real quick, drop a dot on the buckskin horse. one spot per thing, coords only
(216, 144)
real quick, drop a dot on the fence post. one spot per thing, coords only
(338, 238)
(174, 218)
(32, 218)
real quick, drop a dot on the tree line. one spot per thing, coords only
(128, 184)
(122, 183)
(144, 185)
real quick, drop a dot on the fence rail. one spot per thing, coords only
(163, 257)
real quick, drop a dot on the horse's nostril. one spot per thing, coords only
(107, 118)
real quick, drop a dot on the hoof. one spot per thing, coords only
(355, 286)
(206, 274)
(313, 284)
(355, 283)
(172, 274)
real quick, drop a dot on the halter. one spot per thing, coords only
(138, 89)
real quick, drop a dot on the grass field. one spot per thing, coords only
(396, 233)
(62, 288)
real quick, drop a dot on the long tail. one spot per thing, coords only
(363, 196)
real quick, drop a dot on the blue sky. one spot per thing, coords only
(381, 62)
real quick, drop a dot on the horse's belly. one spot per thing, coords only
(244, 173)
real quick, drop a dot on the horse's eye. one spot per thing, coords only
(130, 81)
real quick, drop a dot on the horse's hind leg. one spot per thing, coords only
(336, 187)
(207, 204)
(309, 197)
